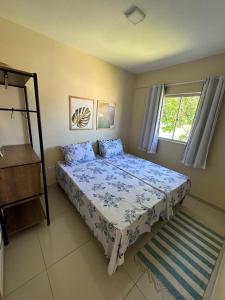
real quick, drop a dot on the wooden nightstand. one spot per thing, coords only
(20, 189)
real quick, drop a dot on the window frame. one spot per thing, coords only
(180, 95)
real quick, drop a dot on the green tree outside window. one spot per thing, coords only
(177, 117)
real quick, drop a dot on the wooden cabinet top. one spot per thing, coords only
(17, 155)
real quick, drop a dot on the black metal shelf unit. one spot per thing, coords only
(16, 78)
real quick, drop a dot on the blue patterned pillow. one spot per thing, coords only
(78, 153)
(109, 148)
(99, 143)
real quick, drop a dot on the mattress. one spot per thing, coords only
(173, 184)
(117, 206)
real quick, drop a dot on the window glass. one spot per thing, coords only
(168, 117)
(177, 116)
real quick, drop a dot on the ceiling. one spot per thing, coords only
(174, 31)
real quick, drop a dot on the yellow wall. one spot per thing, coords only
(62, 71)
(207, 184)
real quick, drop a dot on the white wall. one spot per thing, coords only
(62, 71)
(207, 184)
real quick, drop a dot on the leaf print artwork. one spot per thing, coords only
(81, 116)
(81, 113)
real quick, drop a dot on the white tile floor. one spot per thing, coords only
(65, 262)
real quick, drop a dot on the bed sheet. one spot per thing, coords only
(175, 185)
(117, 206)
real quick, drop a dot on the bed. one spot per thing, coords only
(173, 184)
(117, 206)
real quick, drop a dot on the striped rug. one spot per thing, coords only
(183, 256)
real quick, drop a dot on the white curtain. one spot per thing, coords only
(150, 130)
(200, 138)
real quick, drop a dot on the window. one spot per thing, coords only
(177, 116)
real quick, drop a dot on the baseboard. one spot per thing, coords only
(208, 203)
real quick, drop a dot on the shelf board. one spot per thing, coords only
(23, 216)
(16, 78)
(18, 155)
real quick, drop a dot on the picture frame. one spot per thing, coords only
(105, 116)
(81, 113)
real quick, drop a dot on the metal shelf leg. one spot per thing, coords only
(3, 226)
(41, 148)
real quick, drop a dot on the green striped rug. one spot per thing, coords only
(184, 257)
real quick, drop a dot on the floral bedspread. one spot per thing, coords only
(117, 206)
(173, 184)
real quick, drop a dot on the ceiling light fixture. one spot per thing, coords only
(134, 14)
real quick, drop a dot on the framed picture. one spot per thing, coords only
(81, 113)
(105, 115)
